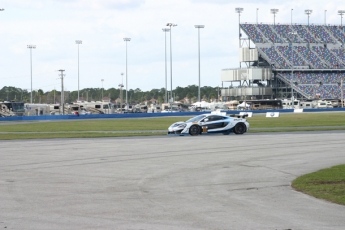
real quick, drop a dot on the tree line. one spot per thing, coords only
(135, 96)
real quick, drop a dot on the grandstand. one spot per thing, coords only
(310, 59)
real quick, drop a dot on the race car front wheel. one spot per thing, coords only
(194, 130)
(240, 128)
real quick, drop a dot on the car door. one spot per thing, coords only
(215, 122)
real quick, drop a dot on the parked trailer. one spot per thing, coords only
(54, 109)
(11, 108)
(37, 109)
(263, 104)
(98, 107)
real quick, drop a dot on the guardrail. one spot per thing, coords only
(150, 115)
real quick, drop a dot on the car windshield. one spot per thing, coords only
(197, 118)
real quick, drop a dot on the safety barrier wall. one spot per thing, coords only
(149, 115)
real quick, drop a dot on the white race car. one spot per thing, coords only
(210, 124)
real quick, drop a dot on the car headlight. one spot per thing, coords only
(182, 126)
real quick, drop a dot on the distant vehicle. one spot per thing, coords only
(123, 110)
(210, 124)
(11, 108)
(266, 104)
(137, 110)
(232, 105)
(288, 105)
(154, 109)
(307, 105)
(321, 104)
(143, 108)
(54, 109)
(97, 107)
(37, 109)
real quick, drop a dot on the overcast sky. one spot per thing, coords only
(54, 25)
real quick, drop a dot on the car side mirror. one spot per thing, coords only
(206, 119)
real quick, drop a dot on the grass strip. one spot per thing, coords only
(257, 121)
(327, 184)
(85, 128)
(72, 135)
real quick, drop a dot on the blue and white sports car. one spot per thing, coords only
(210, 124)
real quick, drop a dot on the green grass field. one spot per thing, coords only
(327, 184)
(105, 127)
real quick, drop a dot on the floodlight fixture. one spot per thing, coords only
(274, 12)
(341, 13)
(308, 12)
(239, 10)
(171, 24)
(2, 9)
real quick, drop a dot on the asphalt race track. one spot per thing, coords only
(204, 182)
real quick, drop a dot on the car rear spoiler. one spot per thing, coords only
(238, 116)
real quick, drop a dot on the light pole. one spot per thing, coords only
(292, 68)
(342, 92)
(62, 92)
(199, 27)
(78, 42)
(31, 47)
(257, 10)
(171, 95)
(274, 12)
(325, 16)
(126, 40)
(308, 12)
(102, 89)
(165, 30)
(239, 10)
(341, 13)
(121, 96)
(291, 16)
(121, 86)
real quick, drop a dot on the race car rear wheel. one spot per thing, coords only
(240, 128)
(194, 130)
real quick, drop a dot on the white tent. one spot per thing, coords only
(243, 105)
(202, 104)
